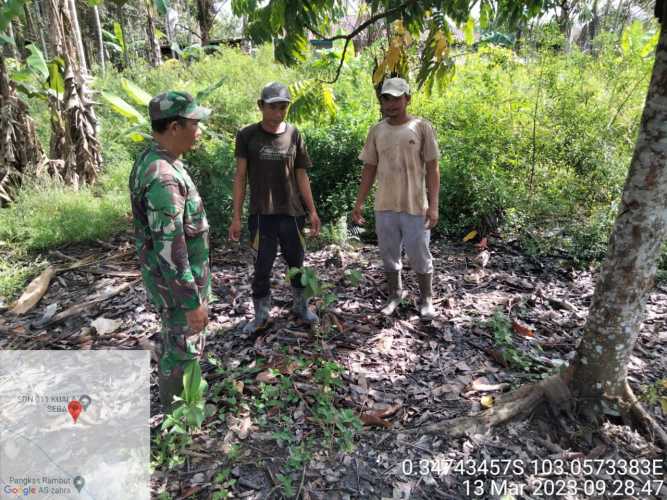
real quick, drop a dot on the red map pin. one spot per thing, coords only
(74, 408)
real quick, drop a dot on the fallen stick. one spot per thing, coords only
(79, 308)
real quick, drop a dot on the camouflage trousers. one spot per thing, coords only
(178, 347)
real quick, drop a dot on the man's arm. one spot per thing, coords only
(165, 218)
(367, 178)
(303, 182)
(238, 196)
(433, 190)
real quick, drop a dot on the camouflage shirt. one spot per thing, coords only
(171, 231)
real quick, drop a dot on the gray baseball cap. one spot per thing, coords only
(396, 87)
(275, 92)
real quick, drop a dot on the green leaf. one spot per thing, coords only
(5, 39)
(118, 31)
(136, 133)
(469, 31)
(94, 3)
(56, 77)
(36, 62)
(23, 75)
(10, 10)
(485, 14)
(191, 382)
(202, 95)
(114, 46)
(136, 93)
(650, 45)
(277, 16)
(122, 108)
(162, 6)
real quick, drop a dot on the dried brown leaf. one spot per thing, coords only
(522, 329)
(374, 421)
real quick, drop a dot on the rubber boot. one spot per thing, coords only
(395, 292)
(300, 306)
(426, 310)
(261, 318)
(170, 385)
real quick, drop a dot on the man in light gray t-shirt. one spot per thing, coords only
(401, 151)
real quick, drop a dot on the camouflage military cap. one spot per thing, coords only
(174, 103)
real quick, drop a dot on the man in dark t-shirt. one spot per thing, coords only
(272, 158)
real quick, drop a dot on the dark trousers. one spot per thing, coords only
(266, 232)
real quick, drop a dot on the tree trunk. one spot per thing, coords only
(121, 22)
(205, 19)
(170, 36)
(76, 34)
(628, 272)
(100, 39)
(154, 54)
(20, 151)
(10, 48)
(73, 121)
(42, 21)
(19, 37)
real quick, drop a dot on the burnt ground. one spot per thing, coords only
(284, 402)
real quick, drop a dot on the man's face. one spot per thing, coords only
(185, 136)
(273, 113)
(394, 106)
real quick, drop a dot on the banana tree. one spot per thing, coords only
(73, 121)
(21, 153)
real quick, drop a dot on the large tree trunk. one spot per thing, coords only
(154, 54)
(20, 151)
(628, 272)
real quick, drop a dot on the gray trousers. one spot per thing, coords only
(398, 230)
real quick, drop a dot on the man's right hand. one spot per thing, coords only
(197, 319)
(235, 229)
(357, 218)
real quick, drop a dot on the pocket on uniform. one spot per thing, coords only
(195, 225)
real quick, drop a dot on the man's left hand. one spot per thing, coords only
(314, 224)
(431, 218)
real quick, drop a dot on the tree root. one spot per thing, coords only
(554, 391)
(644, 417)
(517, 403)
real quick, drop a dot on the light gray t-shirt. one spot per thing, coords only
(401, 153)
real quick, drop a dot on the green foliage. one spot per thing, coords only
(212, 166)
(501, 328)
(335, 174)
(15, 270)
(313, 286)
(47, 215)
(537, 143)
(9, 10)
(189, 414)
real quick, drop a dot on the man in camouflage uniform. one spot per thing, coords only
(171, 236)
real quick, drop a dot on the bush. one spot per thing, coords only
(212, 166)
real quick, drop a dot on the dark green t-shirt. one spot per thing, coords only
(272, 163)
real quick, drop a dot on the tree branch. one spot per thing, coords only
(363, 25)
(340, 64)
(354, 33)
